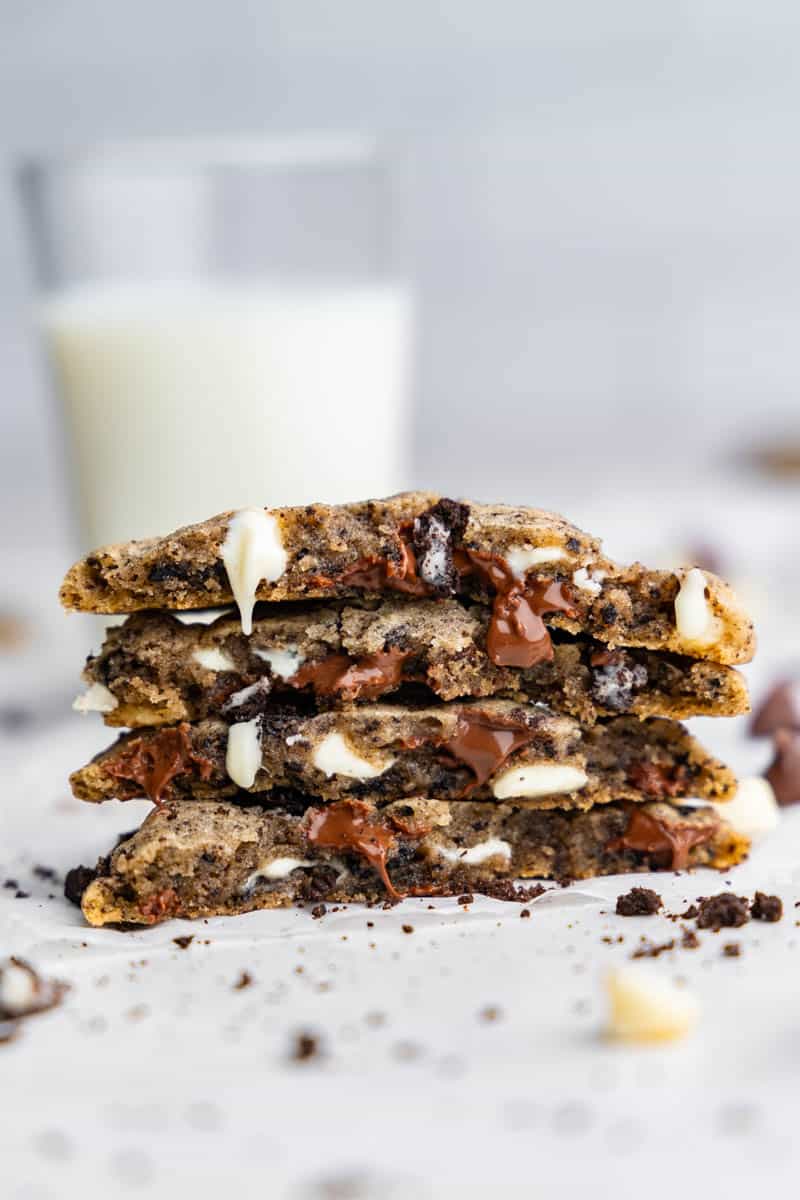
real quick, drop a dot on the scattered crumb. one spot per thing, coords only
(467, 898)
(638, 902)
(245, 980)
(408, 929)
(653, 949)
(490, 1013)
(723, 911)
(691, 912)
(370, 924)
(690, 940)
(185, 941)
(732, 949)
(319, 910)
(525, 912)
(306, 1046)
(766, 908)
(44, 872)
(406, 1051)
(20, 895)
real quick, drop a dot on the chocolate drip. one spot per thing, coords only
(483, 743)
(646, 834)
(517, 637)
(155, 760)
(362, 678)
(375, 574)
(345, 825)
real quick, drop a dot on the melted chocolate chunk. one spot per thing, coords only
(639, 902)
(780, 709)
(347, 825)
(615, 679)
(361, 679)
(399, 574)
(153, 762)
(483, 743)
(434, 534)
(667, 844)
(723, 911)
(784, 772)
(656, 780)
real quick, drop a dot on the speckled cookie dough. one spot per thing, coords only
(529, 564)
(492, 749)
(211, 858)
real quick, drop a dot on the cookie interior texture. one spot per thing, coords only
(159, 669)
(476, 750)
(424, 545)
(210, 857)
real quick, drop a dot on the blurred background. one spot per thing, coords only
(586, 214)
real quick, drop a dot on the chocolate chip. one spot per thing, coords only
(638, 902)
(784, 772)
(723, 911)
(780, 709)
(766, 908)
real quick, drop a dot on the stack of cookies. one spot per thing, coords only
(406, 697)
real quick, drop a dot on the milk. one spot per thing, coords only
(185, 400)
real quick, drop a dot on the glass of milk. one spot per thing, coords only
(224, 325)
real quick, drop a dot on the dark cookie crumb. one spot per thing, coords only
(11, 884)
(44, 872)
(467, 898)
(525, 912)
(408, 929)
(766, 908)
(306, 1046)
(185, 941)
(319, 910)
(505, 889)
(20, 895)
(76, 882)
(691, 912)
(732, 949)
(723, 911)
(638, 902)
(244, 981)
(652, 949)
(690, 940)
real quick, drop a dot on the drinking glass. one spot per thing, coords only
(224, 324)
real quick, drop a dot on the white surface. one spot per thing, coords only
(156, 1076)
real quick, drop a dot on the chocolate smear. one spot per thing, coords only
(155, 760)
(668, 844)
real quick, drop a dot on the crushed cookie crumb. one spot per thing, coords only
(306, 1046)
(185, 941)
(653, 949)
(723, 911)
(408, 929)
(766, 908)
(467, 898)
(525, 912)
(732, 949)
(319, 910)
(244, 981)
(638, 902)
(490, 1013)
(690, 940)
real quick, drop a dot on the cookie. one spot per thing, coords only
(213, 858)
(155, 669)
(492, 749)
(534, 568)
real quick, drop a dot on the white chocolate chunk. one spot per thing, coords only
(252, 551)
(213, 659)
(521, 558)
(278, 868)
(243, 755)
(333, 756)
(648, 1008)
(18, 990)
(96, 698)
(694, 619)
(284, 663)
(588, 581)
(480, 853)
(538, 779)
(753, 811)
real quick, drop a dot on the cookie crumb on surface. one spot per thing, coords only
(306, 1046)
(638, 902)
(319, 910)
(723, 911)
(766, 908)
(244, 981)
(185, 941)
(732, 949)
